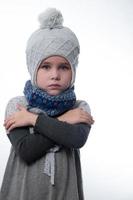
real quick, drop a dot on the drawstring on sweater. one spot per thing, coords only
(49, 164)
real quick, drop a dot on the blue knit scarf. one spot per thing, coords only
(51, 105)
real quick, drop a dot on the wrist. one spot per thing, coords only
(32, 118)
(60, 118)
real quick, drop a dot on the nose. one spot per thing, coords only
(55, 75)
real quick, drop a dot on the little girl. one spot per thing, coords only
(47, 125)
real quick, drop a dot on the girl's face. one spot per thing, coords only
(54, 75)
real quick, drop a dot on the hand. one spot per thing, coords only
(20, 118)
(77, 115)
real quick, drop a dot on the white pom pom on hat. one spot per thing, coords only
(51, 39)
(51, 18)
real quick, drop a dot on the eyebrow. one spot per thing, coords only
(64, 63)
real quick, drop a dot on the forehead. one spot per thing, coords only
(55, 59)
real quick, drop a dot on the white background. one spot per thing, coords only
(104, 79)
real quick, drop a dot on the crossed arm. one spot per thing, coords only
(70, 130)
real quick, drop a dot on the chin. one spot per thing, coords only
(54, 93)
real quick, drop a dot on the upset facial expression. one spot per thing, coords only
(54, 75)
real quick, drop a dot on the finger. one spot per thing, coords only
(91, 121)
(9, 118)
(87, 119)
(84, 119)
(90, 118)
(20, 107)
(11, 127)
(6, 121)
(85, 113)
(9, 124)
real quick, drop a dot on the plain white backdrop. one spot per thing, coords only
(104, 79)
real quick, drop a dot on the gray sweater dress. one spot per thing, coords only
(24, 177)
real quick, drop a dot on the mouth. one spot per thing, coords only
(54, 86)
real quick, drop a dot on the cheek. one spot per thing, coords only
(40, 77)
(70, 76)
(68, 79)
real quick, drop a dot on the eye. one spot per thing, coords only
(45, 66)
(65, 67)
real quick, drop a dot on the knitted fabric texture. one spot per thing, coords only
(51, 39)
(51, 105)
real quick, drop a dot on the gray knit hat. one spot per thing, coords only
(51, 39)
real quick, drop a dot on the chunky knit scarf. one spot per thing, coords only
(40, 101)
(52, 105)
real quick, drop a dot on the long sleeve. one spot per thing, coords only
(68, 135)
(30, 147)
